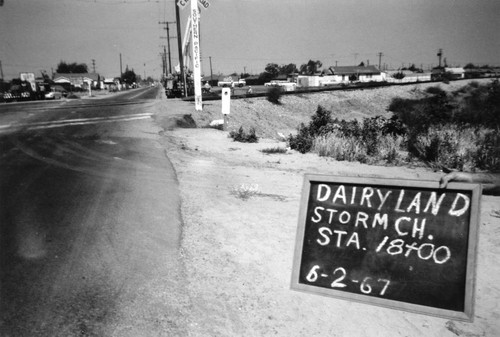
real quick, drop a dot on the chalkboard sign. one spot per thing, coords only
(402, 244)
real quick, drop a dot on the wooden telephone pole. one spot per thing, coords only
(179, 46)
(167, 28)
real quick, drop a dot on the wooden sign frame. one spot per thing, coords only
(305, 224)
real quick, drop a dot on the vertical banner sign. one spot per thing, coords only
(403, 244)
(195, 40)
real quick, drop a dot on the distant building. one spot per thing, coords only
(79, 80)
(442, 73)
(340, 75)
(456, 73)
(408, 76)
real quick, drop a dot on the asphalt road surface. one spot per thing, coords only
(89, 220)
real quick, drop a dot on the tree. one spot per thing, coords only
(399, 75)
(288, 69)
(129, 76)
(71, 68)
(270, 72)
(310, 67)
(272, 69)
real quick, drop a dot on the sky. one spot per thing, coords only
(245, 35)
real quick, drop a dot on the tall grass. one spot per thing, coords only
(461, 148)
(448, 146)
(340, 147)
(351, 148)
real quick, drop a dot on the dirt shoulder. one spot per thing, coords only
(238, 252)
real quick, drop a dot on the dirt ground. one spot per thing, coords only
(238, 252)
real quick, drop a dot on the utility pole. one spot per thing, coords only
(1, 71)
(165, 60)
(167, 28)
(380, 60)
(211, 73)
(121, 71)
(439, 54)
(179, 45)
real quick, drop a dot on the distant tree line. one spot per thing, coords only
(72, 68)
(129, 76)
(273, 70)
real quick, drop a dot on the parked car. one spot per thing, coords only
(230, 83)
(56, 92)
(284, 85)
(53, 95)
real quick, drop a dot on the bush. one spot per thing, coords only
(399, 75)
(481, 106)
(321, 123)
(487, 156)
(436, 90)
(419, 115)
(274, 95)
(303, 141)
(455, 131)
(400, 105)
(243, 137)
(359, 140)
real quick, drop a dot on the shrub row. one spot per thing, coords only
(458, 130)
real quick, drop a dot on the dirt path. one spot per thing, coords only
(239, 252)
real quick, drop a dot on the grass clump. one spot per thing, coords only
(245, 191)
(274, 150)
(244, 137)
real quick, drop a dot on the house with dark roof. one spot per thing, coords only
(357, 73)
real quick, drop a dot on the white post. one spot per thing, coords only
(226, 104)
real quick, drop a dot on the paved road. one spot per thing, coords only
(89, 220)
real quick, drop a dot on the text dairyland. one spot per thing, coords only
(409, 219)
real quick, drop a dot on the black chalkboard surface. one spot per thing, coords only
(403, 244)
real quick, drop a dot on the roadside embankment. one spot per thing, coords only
(240, 211)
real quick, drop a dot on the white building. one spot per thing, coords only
(78, 80)
(342, 75)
